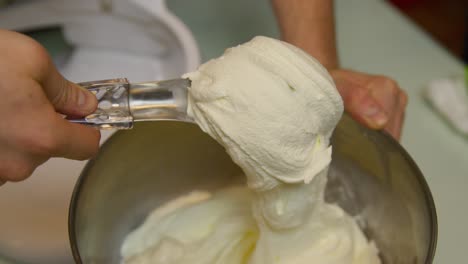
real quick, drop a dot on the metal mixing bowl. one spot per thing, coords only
(371, 176)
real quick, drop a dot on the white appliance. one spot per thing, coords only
(137, 39)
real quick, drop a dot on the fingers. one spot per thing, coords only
(75, 141)
(375, 101)
(54, 136)
(363, 106)
(34, 91)
(360, 103)
(32, 61)
(395, 125)
(385, 91)
(50, 136)
(392, 99)
(67, 97)
(62, 138)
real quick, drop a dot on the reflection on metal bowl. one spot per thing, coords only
(371, 177)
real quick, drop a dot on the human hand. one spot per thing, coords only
(375, 101)
(35, 96)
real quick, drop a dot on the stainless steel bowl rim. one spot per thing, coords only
(427, 196)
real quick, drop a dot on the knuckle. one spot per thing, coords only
(387, 82)
(35, 56)
(35, 51)
(28, 55)
(44, 143)
(17, 171)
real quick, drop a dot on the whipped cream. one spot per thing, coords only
(273, 108)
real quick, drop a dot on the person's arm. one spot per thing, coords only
(309, 25)
(34, 95)
(375, 101)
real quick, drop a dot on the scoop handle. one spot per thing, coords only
(113, 111)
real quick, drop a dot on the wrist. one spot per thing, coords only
(326, 55)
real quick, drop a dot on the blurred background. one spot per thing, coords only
(416, 42)
(445, 20)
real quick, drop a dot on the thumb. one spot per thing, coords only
(68, 98)
(360, 104)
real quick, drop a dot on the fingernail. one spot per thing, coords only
(371, 110)
(375, 116)
(81, 98)
(85, 99)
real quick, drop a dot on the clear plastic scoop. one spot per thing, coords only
(121, 103)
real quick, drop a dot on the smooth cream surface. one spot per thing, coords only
(273, 108)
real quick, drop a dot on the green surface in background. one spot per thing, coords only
(233, 22)
(52, 39)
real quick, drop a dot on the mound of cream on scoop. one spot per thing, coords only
(273, 108)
